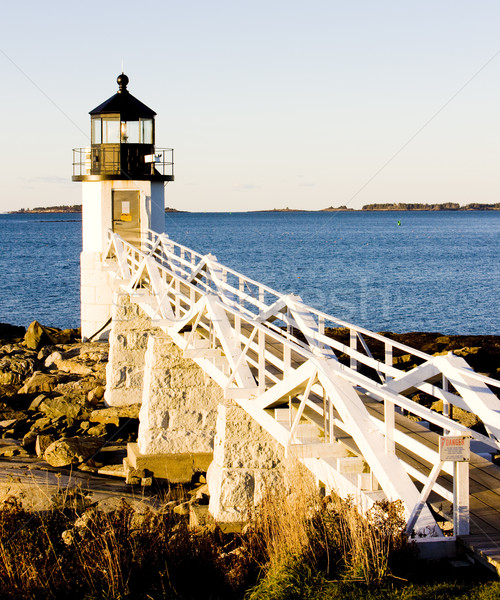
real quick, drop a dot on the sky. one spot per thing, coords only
(268, 103)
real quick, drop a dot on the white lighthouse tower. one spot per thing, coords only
(123, 177)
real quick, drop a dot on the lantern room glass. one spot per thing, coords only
(110, 130)
(136, 132)
(147, 131)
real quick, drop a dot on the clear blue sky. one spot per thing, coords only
(268, 103)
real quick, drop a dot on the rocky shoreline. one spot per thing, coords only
(57, 436)
(52, 389)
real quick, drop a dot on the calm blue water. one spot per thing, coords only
(435, 272)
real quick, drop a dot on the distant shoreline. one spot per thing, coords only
(446, 206)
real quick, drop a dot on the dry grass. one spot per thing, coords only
(76, 551)
(294, 526)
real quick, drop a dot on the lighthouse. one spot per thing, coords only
(123, 177)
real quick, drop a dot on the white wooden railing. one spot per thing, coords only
(335, 406)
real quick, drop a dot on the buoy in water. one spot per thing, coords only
(399, 223)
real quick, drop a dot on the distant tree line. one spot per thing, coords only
(443, 206)
(65, 208)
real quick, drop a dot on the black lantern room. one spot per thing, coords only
(122, 142)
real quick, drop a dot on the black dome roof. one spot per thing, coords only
(127, 106)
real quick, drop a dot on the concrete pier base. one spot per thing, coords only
(176, 468)
(247, 464)
(178, 414)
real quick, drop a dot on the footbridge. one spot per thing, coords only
(336, 397)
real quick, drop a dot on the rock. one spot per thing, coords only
(112, 471)
(113, 414)
(198, 515)
(88, 467)
(36, 402)
(41, 424)
(9, 453)
(96, 395)
(35, 336)
(67, 365)
(464, 352)
(42, 443)
(132, 476)
(52, 359)
(405, 358)
(15, 368)
(39, 382)
(38, 335)
(202, 493)
(59, 406)
(97, 430)
(71, 451)
(44, 353)
(77, 386)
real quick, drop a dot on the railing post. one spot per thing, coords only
(262, 361)
(177, 288)
(331, 427)
(287, 359)
(389, 419)
(321, 325)
(446, 404)
(388, 358)
(353, 343)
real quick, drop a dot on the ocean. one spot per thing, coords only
(435, 271)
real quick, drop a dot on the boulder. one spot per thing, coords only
(98, 430)
(38, 335)
(36, 402)
(71, 451)
(467, 351)
(35, 336)
(67, 365)
(52, 359)
(39, 382)
(96, 395)
(41, 424)
(45, 352)
(113, 414)
(15, 368)
(59, 406)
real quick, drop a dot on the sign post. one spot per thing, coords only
(457, 450)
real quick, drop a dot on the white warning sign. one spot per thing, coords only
(454, 448)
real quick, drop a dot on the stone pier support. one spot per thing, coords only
(185, 425)
(128, 340)
(247, 464)
(178, 414)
